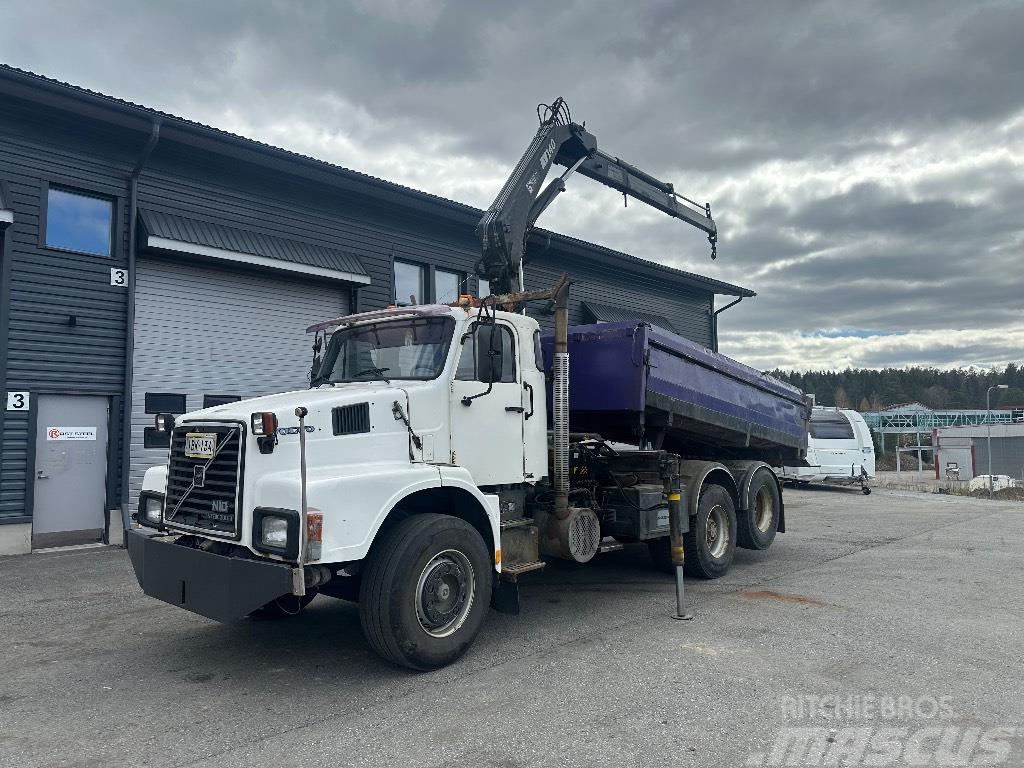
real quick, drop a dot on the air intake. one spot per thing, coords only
(351, 419)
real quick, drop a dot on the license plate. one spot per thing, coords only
(200, 445)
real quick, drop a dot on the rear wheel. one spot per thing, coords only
(711, 541)
(425, 591)
(758, 525)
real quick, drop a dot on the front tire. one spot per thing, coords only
(425, 591)
(759, 524)
(711, 541)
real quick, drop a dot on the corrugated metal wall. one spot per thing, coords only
(204, 330)
(1007, 456)
(44, 352)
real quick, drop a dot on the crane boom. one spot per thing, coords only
(505, 225)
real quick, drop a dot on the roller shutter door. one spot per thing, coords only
(204, 332)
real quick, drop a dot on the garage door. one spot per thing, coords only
(206, 335)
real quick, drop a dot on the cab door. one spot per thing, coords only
(487, 404)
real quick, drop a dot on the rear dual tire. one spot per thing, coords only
(757, 526)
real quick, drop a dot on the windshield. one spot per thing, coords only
(413, 348)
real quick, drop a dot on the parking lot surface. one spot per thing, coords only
(893, 597)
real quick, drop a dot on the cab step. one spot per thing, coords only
(610, 545)
(513, 572)
(516, 522)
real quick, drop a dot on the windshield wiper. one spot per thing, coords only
(375, 371)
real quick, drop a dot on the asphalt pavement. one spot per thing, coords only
(896, 610)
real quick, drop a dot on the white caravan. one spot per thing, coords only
(839, 450)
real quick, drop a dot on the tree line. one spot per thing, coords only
(871, 390)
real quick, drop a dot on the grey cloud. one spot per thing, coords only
(855, 152)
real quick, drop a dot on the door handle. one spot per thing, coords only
(514, 409)
(40, 475)
(529, 388)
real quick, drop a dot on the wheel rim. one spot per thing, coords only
(445, 592)
(717, 531)
(764, 509)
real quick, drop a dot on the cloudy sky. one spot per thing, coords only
(865, 161)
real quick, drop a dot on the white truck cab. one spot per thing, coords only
(412, 408)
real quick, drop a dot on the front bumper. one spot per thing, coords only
(218, 587)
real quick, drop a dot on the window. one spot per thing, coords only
(827, 425)
(409, 284)
(392, 349)
(165, 402)
(488, 355)
(538, 351)
(483, 289)
(447, 286)
(77, 222)
(209, 401)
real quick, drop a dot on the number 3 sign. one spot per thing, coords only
(17, 401)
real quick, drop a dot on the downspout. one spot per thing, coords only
(714, 320)
(129, 336)
(560, 405)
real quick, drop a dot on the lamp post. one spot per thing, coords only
(988, 423)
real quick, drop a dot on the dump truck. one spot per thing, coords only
(442, 453)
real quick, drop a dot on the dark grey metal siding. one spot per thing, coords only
(44, 353)
(1007, 456)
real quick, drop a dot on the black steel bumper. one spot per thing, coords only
(218, 587)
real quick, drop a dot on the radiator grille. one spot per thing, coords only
(351, 419)
(213, 505)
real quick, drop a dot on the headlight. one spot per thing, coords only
(274, 532)
(151, 506)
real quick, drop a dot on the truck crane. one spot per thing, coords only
(511, 217)
(418, 476)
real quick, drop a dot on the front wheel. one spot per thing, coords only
(711, 541)
(425, 591)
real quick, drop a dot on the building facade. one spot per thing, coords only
(965, 450)
(155, 265)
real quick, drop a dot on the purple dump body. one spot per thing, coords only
(630, 381)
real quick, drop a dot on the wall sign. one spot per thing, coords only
(17, 401)
(70, 433)
(119, 277)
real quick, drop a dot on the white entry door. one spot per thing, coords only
(71, 469)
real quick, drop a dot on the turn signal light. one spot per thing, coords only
(314, 534)
(264, 423)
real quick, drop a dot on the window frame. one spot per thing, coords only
(470, 335)
(833, 421)
(424, 272)
(75, 187)
(460, 280)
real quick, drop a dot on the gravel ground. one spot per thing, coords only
(902, 610)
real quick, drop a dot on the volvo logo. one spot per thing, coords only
(199, 476)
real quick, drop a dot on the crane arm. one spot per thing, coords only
(510, 218)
